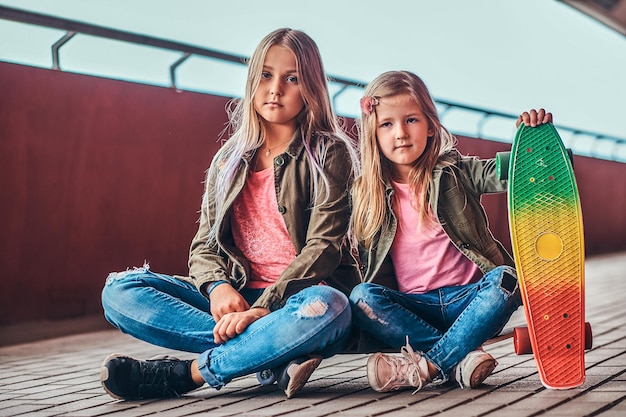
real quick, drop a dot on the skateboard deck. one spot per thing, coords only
(548, 247)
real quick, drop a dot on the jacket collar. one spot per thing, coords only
(437, 173)
(295, 149)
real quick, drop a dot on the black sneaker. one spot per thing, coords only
(296, 373)
(127, 378)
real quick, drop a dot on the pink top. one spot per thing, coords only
(259, 230)
(423, 256)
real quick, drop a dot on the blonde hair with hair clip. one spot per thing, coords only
(369, 199)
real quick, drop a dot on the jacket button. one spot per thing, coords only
(279, 161)
(282, 209)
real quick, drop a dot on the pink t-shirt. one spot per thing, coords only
(423, 256)
(259, 230)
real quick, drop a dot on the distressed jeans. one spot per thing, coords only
(444, 324)
(165, 311)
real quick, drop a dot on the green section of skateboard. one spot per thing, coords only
(545, 171)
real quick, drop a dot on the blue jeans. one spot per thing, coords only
(444, 324)
(165, 311)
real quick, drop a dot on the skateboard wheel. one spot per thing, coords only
(502, 165)
(588, 336)
(266, 377)
(521, 339)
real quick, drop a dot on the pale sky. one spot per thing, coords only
(505, 55)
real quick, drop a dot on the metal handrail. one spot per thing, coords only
(73, 27)
(38, 19)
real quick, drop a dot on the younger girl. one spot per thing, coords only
(435, 277)
(273, 219)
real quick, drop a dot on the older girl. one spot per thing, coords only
(273, 220)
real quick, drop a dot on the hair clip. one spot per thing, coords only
(368, 104)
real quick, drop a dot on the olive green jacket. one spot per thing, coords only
(455, 199)
(316, 231)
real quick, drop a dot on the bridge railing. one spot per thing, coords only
(462, 119)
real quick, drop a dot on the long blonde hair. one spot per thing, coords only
(369, 213)
(317, 116)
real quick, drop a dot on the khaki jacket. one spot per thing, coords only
(455, 199)
(317, 232)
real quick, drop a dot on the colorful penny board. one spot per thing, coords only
(547, 238)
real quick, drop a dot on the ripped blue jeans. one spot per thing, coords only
(165, 311)
(444, 324)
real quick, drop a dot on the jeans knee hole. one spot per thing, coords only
(509, 282)
(114, 276)
(369, 311)
(314, 309)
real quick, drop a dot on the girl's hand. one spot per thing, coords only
(534, 118)
(232, 324)
(225, 299)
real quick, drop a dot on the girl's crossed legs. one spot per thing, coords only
(171, 313)
(444, 325)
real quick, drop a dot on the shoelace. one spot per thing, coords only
(406, 369)
(155, 377)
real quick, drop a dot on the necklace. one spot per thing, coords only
(268, 150)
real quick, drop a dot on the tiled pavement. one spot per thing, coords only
(61, 377)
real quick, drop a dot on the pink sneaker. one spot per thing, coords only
(390, 373)
(296, 373)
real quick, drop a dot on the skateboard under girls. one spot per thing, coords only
(546, 228)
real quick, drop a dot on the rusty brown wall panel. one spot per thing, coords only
(98, 175)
